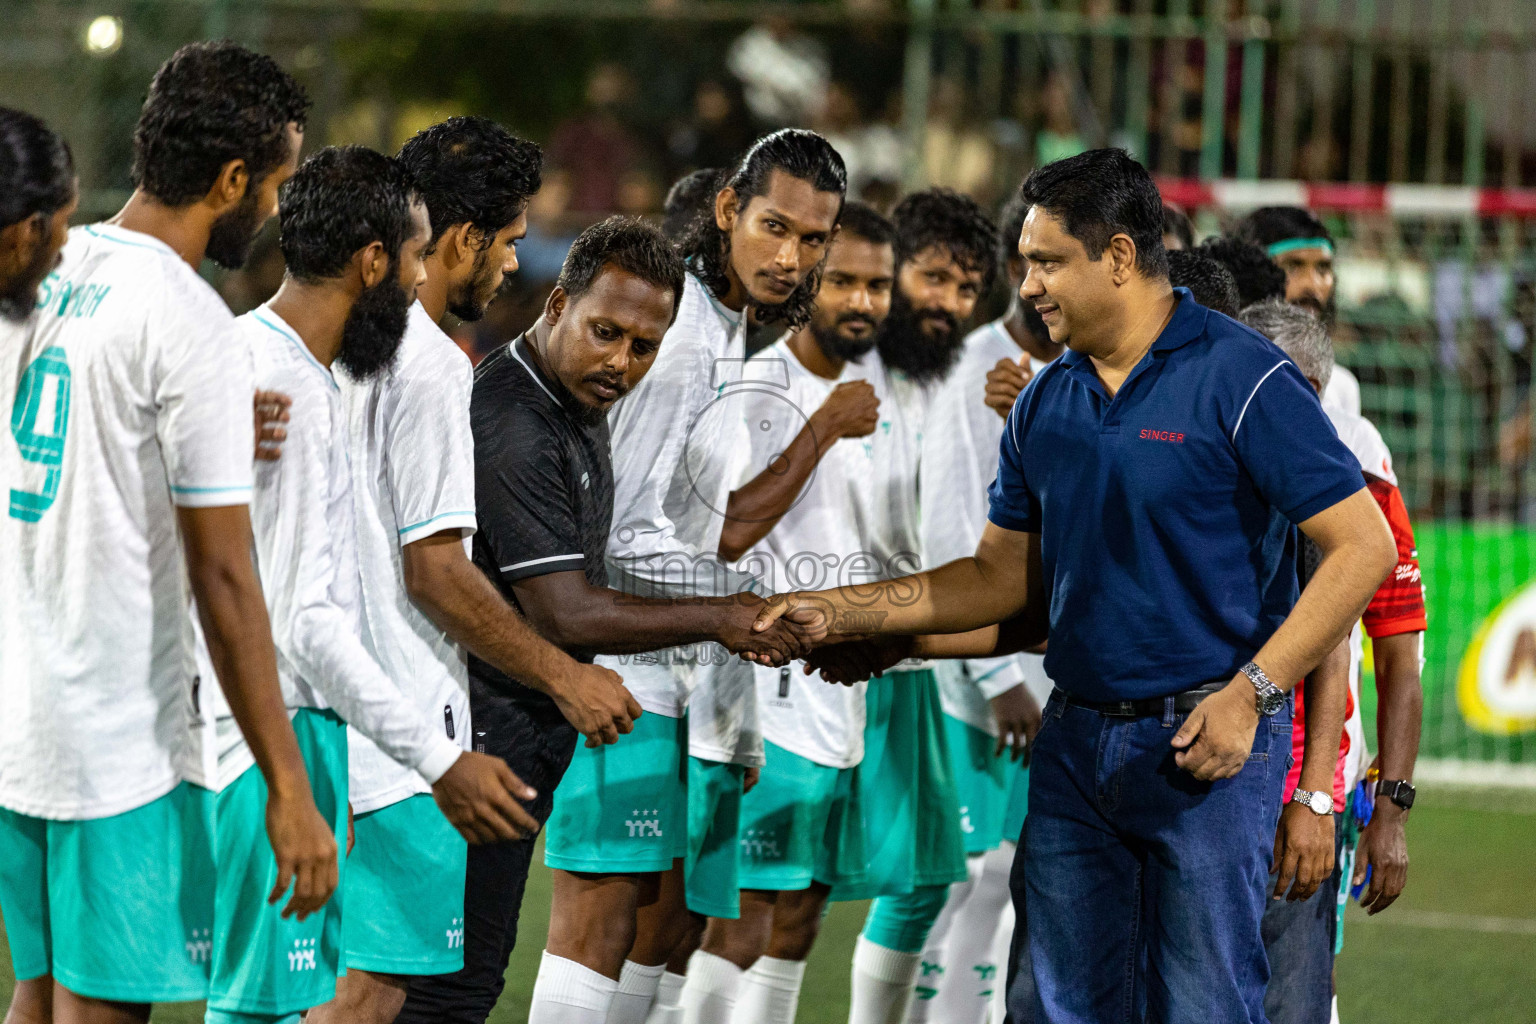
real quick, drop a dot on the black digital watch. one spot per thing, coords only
(1396, 790)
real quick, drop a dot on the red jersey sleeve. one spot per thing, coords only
(1398, 606)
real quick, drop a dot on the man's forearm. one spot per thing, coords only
(1399, 704)
(1326, 697)
(599, 620)
(756, 507)
(458, 598)
(1328, 607)
(961, 597)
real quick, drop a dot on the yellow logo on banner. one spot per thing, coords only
(1496, 686)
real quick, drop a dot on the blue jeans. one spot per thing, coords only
(1298, 938)
(1145, 886)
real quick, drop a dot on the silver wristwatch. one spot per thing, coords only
(1270, 697)
(1313, 800)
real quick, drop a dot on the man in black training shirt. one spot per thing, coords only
(544, 494)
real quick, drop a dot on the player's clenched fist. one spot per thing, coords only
(479, 796)
(1004, 382)
(851, 410)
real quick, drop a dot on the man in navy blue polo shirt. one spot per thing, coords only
(1148, 486)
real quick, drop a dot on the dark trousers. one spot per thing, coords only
(1145, 887)
(1298, 937)
(1020, 979)
(536, 742)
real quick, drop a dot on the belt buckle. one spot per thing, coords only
(1121, 709)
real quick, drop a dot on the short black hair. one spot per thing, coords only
(209, 104)
(860, 220)
(1257, 276)
(690, 198)
(797, 152)
(943, 217)
(1010, 225)
(340, 200)
(1176, 223)
(1209, 282)
(471, 170)
(1270, 224)
(1100, 194)
(37, 172)
(629, 244)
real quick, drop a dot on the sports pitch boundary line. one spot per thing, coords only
(1442, 921)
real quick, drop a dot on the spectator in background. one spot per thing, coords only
(957, 153)
(1209, 282)
(783, 73)
(1257, 276)
(871, 150)
(715, 133)
(592, 150)
(1058, 137)
(1178, 232)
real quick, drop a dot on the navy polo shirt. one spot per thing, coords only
(1165, 513)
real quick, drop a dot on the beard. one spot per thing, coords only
(834, 345)
(470, 301)
(19, 297)
(907, 347)
(1326, 313)
(371, 336)
(232, 235)
(589, 415)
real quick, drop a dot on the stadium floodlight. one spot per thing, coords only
(104, 35)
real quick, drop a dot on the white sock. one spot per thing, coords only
(637, 990)
(770, 992)
(709, 994)
(565, 992)
(931, 974)
(882, 984)
(1335, 1018)
(667, 1009)
(973, 970)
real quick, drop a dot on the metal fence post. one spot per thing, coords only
(1213, 105)
(916, 81)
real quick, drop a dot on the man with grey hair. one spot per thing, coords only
(1299, 335)
(1300, 935)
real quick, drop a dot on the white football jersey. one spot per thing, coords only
(413, 476)
(840, 531)
(128, 393)
(677, 453)
(959, 462)
(305, 527)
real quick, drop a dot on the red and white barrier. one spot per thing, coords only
(1396, 200)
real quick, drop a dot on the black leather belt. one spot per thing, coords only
(1183, 703)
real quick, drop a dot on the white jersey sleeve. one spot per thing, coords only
(431, 465)
(959, 461)
(202, 376)
(302, 543)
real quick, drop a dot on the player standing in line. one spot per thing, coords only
(990, 704)
(801, 830)
(1301, 939)
(353, 234)
(129, 475)
(414, 485)
(946, 252)
(675, 512)
(38, 195)
(1303, 249)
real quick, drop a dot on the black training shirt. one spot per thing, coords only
(543, 486)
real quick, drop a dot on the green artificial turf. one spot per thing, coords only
(1459, 946)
